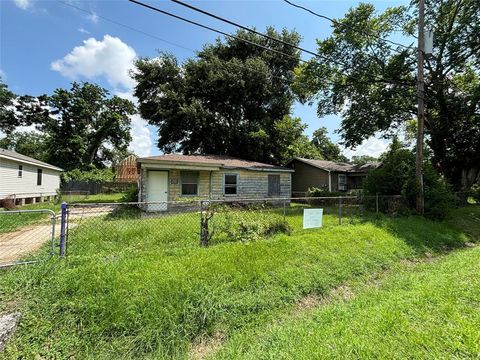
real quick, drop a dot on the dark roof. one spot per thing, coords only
(217, 160)
(339, 166)
(27, 159)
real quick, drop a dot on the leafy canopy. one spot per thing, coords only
(371, 83)
(80, 126)
(232, 99)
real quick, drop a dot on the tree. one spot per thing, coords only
(82, 126)
(230, 99)
(292, 141)
(371, 83)
(326, 147)
(396, 176)
(7, 113)
(363, 159)
(31, 144)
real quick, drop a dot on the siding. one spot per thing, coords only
(307, 176)
(11, 183)
(251, 184)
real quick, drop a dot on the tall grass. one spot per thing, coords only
(129, 291)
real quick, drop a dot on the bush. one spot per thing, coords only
(317, 192)
(131, 195)
(92, 174)
(8, 203)
(396, 176)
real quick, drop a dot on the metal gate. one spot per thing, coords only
(26, 236)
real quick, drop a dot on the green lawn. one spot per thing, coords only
(129, 290)
(423, 311)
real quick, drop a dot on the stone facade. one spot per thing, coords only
(252, 184)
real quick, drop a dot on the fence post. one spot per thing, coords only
(63, 226)
(284, 209)
(376, 203)
(201, 222)
(340, 210)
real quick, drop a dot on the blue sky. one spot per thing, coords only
(46, 45)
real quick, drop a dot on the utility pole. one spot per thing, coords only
(420, 203)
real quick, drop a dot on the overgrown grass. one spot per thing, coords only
(423, 311)
(129, 291)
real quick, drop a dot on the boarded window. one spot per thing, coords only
(230, 184)
(39, 176)
(20, 170)
(189, 182)
(273, 185)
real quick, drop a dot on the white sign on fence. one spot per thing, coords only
(312, 218)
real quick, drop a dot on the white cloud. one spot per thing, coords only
(23, 4)
(93, 17)
(3, 75)
(141, 137)
(83, 31)
(373, 146)
(110, 58)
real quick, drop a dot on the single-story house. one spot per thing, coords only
(329, 175)
(173, 177)
(26, 179)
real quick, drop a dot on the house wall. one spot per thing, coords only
(26, 186)
(251, 184)
(307, 176)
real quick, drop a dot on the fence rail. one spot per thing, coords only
(137, 226)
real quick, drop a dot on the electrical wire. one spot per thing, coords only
(344, 25)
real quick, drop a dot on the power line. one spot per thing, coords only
(344, 25)
(393, 81)
(214, 30)
(245, 28)
(126, 26)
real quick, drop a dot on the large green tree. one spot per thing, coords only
(328, 149)
(370, 82)
(230, 99)
(28, 143)
(82, 126)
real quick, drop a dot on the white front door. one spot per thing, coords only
(157, 190)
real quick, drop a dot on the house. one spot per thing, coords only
(126, 170)
(329, 175)
(173, 177)
(26, 179)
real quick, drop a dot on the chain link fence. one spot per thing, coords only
(26, 236)
(111, 229)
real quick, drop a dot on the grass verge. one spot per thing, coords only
(149, 292)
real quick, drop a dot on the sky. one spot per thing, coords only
(45, 45)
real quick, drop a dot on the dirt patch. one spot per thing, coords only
(15, 245)
(311, 301)
(207, 346)
(8, 324)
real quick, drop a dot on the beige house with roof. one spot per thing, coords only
(329, 175)
(175, 177)
(27, 180)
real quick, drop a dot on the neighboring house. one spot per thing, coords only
(26, 179)
(173, 177)
(328, 175)
(126, 170)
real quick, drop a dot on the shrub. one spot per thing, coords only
(131, 195)
(323, 192)
(396, 176)
(8, 203)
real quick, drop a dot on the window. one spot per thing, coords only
(20, 170)
(342, 182)
(230, 184)
(39, 176)
(189, 182)
(273, 185)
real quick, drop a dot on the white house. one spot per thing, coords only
(26, 179)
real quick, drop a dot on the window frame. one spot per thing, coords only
(279, 185)
(182, 182)
(344, 176)
(39, 177)
(20, 171)
(237, 183)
